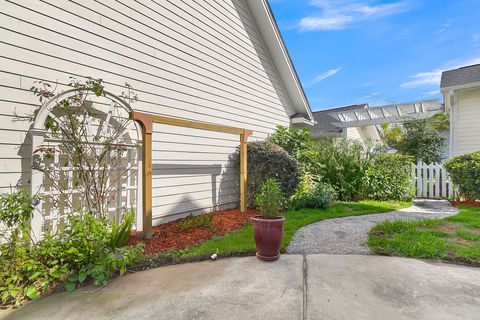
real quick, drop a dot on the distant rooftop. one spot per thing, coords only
(460, 76)
(325, 123)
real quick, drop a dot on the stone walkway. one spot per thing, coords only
(348, 235)
(295, 287)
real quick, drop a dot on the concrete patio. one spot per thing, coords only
(295, 287)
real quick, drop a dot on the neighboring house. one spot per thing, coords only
(221, 62)
(326, 126)
(461, 92)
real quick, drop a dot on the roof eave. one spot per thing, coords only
(460, 87)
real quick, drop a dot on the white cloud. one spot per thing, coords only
(339, 14)
(445, 26)
(431, 93)
(422, 79)
(432, 78)
(325, 75)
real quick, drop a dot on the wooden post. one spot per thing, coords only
(147, 185)
(147, 129)
(146, 121)
(243, 170)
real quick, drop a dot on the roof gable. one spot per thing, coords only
(273, 40)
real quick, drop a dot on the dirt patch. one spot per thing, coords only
(470, 203)
(460, 241)
(170, 236)
(449, 227)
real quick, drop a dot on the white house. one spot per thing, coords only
(220, 62)
(326, 124)
(461, 92)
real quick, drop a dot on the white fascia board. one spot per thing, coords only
(272, 38)
(301, 120)
(461, 87)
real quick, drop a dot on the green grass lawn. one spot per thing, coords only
(241, 242)
(455, 239)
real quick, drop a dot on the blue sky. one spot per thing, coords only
(355, 51)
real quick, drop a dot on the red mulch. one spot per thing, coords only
(169, 236)
(471, 203)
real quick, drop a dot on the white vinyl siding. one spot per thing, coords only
(196, 60)
(467, 119)
(353, 133)
(362, 134)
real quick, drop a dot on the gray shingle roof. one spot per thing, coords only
(460, 76)
(324, 125)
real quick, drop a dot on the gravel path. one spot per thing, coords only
(348, 235)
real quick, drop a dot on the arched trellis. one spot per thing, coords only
(145, 121)
(40, 136)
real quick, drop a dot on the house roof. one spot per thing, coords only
(461, 76)
(325, 123)
(273, 40)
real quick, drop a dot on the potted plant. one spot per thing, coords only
(268, 227)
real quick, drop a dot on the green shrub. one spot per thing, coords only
(317, 196)
(344, 166)
(121, 232)
(267, 160)
(80, 251)
(307, 184)
(299, 145)
(465, 173)
(200, 221)
(269, 199)
(389, 177)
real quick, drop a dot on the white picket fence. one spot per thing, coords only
(432, 181)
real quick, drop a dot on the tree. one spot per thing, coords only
(420, 139)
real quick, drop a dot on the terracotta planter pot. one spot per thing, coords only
(268, 234)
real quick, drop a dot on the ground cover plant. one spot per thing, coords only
(86, 249)
(454, 239)
(241, 242)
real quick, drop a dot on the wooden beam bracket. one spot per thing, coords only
(146, 121)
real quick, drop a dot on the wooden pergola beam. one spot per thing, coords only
(146, 121)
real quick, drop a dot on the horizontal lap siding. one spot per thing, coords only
(467, 122)
(195, 60)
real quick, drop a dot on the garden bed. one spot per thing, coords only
(188, 232)
(470, 203)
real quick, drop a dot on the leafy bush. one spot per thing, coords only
(318, 197)
(299, 146)
(389, 177)
(465, 173)
(200, 221)
(81, 251)
(344, 166)
(269, 199)
(267, 160)
(307, 184)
